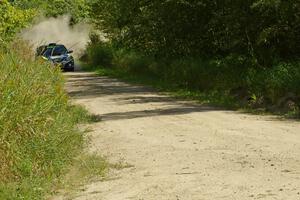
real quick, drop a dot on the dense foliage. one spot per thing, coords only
(12, 19)
(244, 48)
(265, 30)
(17, 14)
(78, 9)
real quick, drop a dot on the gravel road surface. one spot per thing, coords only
(178, 150)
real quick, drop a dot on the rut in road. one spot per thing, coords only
(180, 150)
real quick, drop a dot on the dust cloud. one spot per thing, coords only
(58, 30)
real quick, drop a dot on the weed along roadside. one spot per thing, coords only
(38, 127)
(40, 142)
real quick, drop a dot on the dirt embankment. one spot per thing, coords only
(184, 151)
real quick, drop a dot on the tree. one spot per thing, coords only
(78, 9)
(12, 19)
(259, 29)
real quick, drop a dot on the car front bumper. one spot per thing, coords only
(68, 65)
(65, 65)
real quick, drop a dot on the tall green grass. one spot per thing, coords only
(38, 137)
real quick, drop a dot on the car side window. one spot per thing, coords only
(59, 50)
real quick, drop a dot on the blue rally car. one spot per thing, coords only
(58, 54)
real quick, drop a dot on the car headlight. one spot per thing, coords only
(44, 58)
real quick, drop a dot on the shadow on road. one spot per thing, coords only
(89, 86)
(152, 113)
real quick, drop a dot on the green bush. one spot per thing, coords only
(191, 73)
(103, 54)
(276, 82)
(99, 54)
(131, 61)
(37, 134)
(77, 9)
(12, 19)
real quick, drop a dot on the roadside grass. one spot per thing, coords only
(82, 116)
(39, 135)
(84, 169)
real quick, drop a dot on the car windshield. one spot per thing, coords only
(48, 52)
(59, 50)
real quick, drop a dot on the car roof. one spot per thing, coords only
(41, 49)
(55, 45)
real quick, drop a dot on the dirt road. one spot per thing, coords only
(182, 151)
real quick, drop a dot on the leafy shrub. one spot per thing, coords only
(99, 54)
(102, 54)
(276, 82)
(78, 9)
(190, 73)
(12, 19)
(131, 61)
